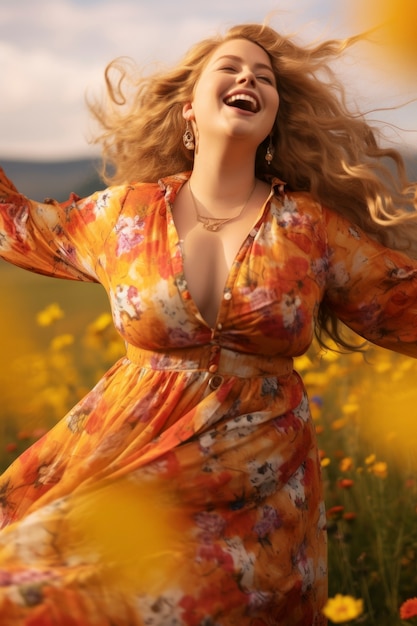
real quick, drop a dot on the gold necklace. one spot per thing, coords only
(213, 224)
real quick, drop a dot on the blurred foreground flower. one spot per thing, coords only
(50, 314)
(341, 609)
(396, 31)
(408, 609)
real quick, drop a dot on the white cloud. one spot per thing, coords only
(53, 51)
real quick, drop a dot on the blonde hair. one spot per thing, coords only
(320, 145)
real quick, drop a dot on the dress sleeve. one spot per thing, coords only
(371, 288)
(62, 240)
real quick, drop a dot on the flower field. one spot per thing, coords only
(57, 340)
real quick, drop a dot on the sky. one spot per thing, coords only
(53, 53)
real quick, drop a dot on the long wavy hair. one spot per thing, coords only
(320, 145)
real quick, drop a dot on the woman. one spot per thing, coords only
(185, 487)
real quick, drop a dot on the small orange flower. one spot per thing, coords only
(11, 447)
(346, 464)
(349, 516)
(408, 609)
(23, 434)
(346, 483)
(335, 511)
(39, 432)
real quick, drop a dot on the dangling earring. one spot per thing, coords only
(270, 151)
(188, 137)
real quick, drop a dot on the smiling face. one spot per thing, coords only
(236, 94)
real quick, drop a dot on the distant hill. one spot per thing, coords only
(57, 179)
(54, 179)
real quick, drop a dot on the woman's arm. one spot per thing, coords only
(56, 239)
(371, 288)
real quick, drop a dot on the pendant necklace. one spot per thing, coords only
(213, 224)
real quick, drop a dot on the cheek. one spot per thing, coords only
(272, 108)
(275, 102)
(202, 101)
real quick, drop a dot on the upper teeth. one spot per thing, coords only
(242, 96)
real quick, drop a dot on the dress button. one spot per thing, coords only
(253, 232)
(219, 326)
(213, 368)
(215, 381)
(227, 295)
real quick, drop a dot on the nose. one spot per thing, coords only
(247, 77)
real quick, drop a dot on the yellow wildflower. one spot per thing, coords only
(350, 408)
(316, 379)
(380, 469)
(101, 323)
(302, 363)
(325, 462)
(342, 609)
(381, 367)
(62, 341)
(370, 460)
(50, 314)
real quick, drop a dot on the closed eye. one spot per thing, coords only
(262, 77)
(266, 79)
(228, 68)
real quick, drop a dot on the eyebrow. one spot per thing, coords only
(236, 58)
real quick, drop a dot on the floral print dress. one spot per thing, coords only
(184, 489)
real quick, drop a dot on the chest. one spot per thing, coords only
(208, 260)
(261, 285)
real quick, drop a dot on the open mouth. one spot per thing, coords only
(243, 101)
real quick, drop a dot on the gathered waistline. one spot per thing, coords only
(211, 358)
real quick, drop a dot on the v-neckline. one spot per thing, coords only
(172, 188)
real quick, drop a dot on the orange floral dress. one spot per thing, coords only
(184, 489)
